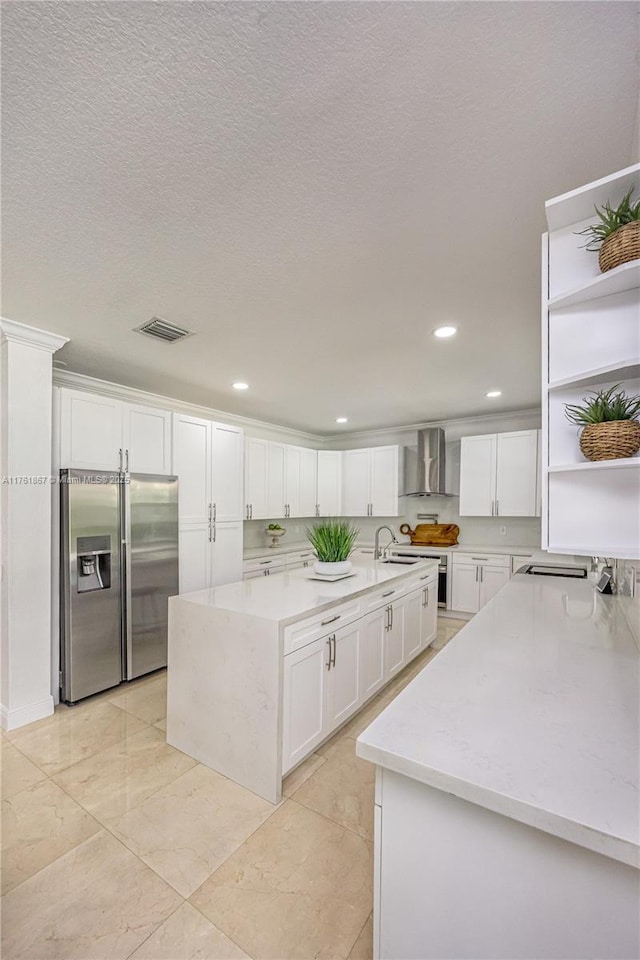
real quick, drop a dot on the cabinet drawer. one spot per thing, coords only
(494, 559)
(321, 625)
(302, 557)
(263, 563)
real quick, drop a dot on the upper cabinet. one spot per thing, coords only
(370, 482)
(329, 497)
(499, 475)
(591, 341)
(102, 433)
(208, 462)
(280, 480)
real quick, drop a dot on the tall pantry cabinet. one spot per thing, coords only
(590, 341)
(208, 460)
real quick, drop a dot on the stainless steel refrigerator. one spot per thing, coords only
(119, 566)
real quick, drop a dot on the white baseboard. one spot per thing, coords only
(12, 719)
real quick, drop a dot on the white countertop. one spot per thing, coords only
(532, 711)
(537, 555)
(287, 597)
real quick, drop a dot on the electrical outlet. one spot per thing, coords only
(503, 531)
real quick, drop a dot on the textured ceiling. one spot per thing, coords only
(311, 187)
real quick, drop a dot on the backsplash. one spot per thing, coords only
(520, 531)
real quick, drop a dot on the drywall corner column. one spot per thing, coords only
(25, 522)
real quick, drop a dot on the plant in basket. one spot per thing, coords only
(616, 236)
(610, 429)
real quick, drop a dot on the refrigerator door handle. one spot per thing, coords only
(127, 646)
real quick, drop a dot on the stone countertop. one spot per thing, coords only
(289, 596)
(537, 555)
(531, 711)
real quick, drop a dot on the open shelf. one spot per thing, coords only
(622, 278)
(578, 204)
(623, 370)
(591, 465)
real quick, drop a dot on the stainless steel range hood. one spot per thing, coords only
(424, 465)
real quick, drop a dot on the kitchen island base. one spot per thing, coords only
(455, 880)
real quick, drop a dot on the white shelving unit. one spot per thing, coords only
(591, 340)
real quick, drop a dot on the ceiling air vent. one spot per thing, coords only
(161, 329)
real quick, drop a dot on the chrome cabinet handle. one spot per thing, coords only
(330, 620)
(497, 508)
(120, 461)
(250, 511)
(426, 596)
(333, 659)
(479, 558)
(426, 576)
(126, 462)
(262, 562)
(391, 612)
(209, 513)
(215, 512)
(328, 663)
(389, 593)
(213, 525)
(481, 576)
(209, 533)
(317, 509)
(387, 622)
(477, 568)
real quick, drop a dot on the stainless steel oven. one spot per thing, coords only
(431, 553)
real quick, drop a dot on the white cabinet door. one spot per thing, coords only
(194, 553)
(329, 497)
(303, 704)
(91, 431)
(465, 587)
(147, 439)
(276, 470)
(477, 476)
(412, 625)
(394, 639)
(226, 541)
(343, 693)
(516, 474)
(356, 490)
(384, 481)
(429, 622)
(227, 472)
(372, 645)
(291, 491)
(492, 579)
(308, 493)
(192, 465)
(255, 478)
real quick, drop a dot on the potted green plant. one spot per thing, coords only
(616, 236)
(333, 542)
(610, 429)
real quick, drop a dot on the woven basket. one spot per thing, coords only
(610, 440)
(622, 246)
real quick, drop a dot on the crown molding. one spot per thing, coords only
(12, 332)
(380, 433)
(79, 381)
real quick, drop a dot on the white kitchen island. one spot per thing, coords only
(507, 817)
(260, 672)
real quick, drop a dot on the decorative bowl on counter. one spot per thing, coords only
(276, 532)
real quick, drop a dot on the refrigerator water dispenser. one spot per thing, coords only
(94, 563)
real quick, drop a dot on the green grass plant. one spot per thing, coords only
(602, 406)
(332, 540)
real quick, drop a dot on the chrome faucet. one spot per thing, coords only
(377, 552)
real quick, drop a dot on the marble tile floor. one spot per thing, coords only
(116, 845)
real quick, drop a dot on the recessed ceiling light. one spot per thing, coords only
(240, 386)
(494, 393)
(341, 419)
(444, 332)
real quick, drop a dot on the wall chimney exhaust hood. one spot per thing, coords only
(424, 466)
